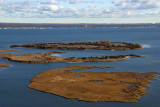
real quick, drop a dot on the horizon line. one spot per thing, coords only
(73, 23)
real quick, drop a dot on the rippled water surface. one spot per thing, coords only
(15, 79)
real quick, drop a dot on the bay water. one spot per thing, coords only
(15, 79)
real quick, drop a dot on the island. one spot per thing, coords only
(48, 57)
(93, 86)
(91, 66)
(99, 45)
(4, 65)
(6, 50)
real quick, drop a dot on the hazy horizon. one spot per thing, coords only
(75, 23)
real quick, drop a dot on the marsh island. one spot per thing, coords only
(3, 64)
(6, 50)
(49, 58)
(99, 45)
(88, 85)
(93, 86)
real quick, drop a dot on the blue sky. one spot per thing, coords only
(80, 11)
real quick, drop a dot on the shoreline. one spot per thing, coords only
(75, 25)
(81, 27)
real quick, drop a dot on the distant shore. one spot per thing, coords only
(83, 25)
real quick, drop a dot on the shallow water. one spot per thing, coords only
(15, 79)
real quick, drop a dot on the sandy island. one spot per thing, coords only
(49, 58)
(93, 86)
(99, 45)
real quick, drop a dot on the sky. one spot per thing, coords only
(80, 11)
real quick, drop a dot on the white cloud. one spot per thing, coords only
(50, 2)
(84, 1)
(65, 8)
(53, 7)
(75, 1)
(133, 8)
(136, 4)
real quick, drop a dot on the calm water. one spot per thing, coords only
(15, 79)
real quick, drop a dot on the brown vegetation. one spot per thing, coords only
(6, 50)
(4, 65)
(99, 45)
(48, 58)
(91, 66)
(93, 86)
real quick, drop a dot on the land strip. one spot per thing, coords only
(6, 50)
(4, 65)
(49, 58)
(99, 45)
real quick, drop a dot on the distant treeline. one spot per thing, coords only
(34, 25)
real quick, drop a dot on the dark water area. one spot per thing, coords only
(15, 79)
